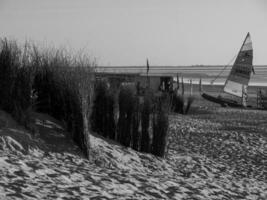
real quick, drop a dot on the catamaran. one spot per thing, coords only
(237, 81)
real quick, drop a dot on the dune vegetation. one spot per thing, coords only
(55, 82)
(55, 113)
(51, 81)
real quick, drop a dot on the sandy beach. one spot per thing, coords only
(212, 153)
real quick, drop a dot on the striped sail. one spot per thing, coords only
(239, 76)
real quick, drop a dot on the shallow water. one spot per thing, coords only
(207, 73)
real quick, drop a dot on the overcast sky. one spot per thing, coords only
(126, 32)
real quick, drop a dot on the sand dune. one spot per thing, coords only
(213, 154)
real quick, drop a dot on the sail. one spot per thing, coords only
(240, 74)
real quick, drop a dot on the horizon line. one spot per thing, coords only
(200, 65)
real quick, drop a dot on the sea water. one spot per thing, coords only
(209, 74)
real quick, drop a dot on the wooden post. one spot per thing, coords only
(191, 87)
(244, 96)
(182, 86)
(147, 70)
(177, 76)
(200, 86)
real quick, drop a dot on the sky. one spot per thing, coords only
(127, 32)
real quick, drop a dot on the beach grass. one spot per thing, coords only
(63, 85)
(49, 80)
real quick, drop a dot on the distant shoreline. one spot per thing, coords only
(171, 66)
(251, 84)
(206, 72)
(206, 83)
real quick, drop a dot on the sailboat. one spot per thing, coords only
(237, 81)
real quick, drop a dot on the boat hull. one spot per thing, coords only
(221, 101)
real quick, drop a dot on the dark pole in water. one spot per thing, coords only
(191, 87)
(147, 70)
(200, 86)
(177, 76)
(182, 86)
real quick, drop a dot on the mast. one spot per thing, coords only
(239, 76)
